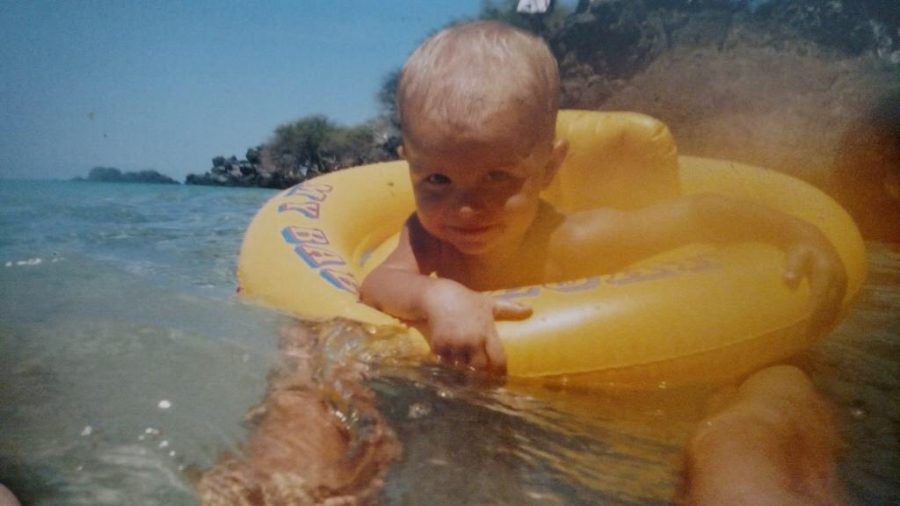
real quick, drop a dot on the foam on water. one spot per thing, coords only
(125, 356)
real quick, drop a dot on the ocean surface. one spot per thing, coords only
(127, 363)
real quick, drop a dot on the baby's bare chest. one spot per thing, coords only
(519, 269)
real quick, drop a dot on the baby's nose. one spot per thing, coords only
(466, 211)
(470, 203)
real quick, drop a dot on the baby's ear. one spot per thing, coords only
(557, 157)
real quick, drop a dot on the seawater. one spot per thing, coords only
(126, 361)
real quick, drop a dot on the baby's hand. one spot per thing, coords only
(812, 256)
(460, 326)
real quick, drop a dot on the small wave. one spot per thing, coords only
(31, 262)
(148, 474)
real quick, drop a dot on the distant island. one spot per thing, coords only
(114, 175)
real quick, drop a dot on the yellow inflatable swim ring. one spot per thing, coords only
(699, 313)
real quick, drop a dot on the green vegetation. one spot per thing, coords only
(315, 144)
(304, 148)
(387, 98)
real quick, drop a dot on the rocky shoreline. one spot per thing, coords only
(243, 173)
(301, 150)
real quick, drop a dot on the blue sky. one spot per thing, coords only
(167, 85)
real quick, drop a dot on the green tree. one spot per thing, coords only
(387, 97)
(298, 145)
(315, 144)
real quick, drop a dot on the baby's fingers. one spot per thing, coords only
(489, 356)
(509, 310)
(458, 357)
(496, 357)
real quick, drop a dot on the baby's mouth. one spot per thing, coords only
(471, 229)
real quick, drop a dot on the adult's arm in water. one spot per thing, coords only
(458, 322)
(624, 236)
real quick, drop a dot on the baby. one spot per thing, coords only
(478, 105)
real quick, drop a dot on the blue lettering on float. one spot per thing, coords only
(307, 209)
(517, 293)
(310, 244)
(640, 275)
(317, 257)
(687, 266)
(317, 192)
(305, 199)
(690, 265)
(341, 280)
(577, 285)
(304, 235)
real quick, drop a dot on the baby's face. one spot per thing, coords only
(478, 196)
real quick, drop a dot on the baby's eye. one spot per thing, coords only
(437, 179)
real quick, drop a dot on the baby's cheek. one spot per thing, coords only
(430, 218)
(521, 203)
(428, 204)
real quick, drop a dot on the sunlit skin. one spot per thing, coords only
(480, 224)
(7, 498)
(772, 440)
(477, 208)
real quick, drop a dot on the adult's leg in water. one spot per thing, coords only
(7, 498)
(774, 442)
(318, 438)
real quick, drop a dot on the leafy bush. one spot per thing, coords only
(387, 98)
(314, 144)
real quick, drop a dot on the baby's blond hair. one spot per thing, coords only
(465, 75)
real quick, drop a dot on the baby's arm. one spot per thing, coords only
(458, 322)
(713, 218)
